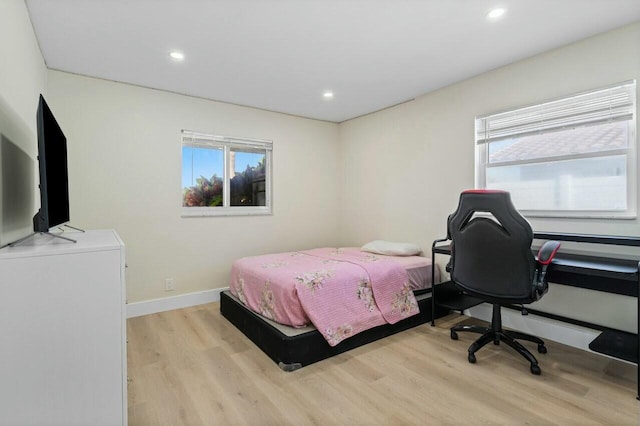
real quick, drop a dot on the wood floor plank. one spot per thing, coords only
(192, 367)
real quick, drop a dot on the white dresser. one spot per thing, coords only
(63, 354)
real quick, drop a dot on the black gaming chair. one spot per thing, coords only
(491, 259)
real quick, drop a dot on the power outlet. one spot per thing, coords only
(169, 284)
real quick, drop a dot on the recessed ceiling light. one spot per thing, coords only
(328, 94)
(496, 13)
(176, 56)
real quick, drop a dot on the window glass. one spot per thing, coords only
(248, 177)
(574, 141)
(202, 171)
(589, 184)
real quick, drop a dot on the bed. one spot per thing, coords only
(301, 307)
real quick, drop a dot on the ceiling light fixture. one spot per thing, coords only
(176, 55)
(328, 94)
(496, 13)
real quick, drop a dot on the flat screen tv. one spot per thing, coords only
(54, 178)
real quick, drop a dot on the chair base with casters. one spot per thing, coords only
(496, 334)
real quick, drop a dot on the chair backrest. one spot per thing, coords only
(491, 248)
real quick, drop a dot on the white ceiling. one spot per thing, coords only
(280, 55)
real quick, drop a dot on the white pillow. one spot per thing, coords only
(391, 249)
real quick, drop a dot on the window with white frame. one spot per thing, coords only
(572, 157)
(225, 176)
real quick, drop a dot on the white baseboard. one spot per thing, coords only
(153, 306)
(545, 328)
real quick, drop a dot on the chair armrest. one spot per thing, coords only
(547, 252)
(545, 256)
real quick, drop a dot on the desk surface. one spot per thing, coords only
(620, 275)
(615, 240)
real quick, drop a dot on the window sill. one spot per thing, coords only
(220, 211)
(579, 215)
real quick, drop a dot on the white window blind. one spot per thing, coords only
(204, 140)
(600, 106)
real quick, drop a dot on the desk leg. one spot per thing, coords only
(433, 279)
(433, 288)
(638, 337)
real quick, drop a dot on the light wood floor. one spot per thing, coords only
(192, 367)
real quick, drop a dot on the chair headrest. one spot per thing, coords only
(494, 201)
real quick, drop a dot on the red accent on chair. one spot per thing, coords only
(484, 191)
(545, 247)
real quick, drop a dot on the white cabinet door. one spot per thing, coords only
(61, 335)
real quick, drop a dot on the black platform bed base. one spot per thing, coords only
(292, 349)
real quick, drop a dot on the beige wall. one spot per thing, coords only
(125, 173)
(402, 169)
(23, 74)
(22, 79)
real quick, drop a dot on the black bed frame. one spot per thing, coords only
(294, 352)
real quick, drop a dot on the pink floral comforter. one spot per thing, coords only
(341, 291)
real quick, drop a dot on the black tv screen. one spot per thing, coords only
(54, 179)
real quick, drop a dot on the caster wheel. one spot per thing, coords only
(496, 342)
(535, 369)
(454, 335)
(542, 349)
(472, 358)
